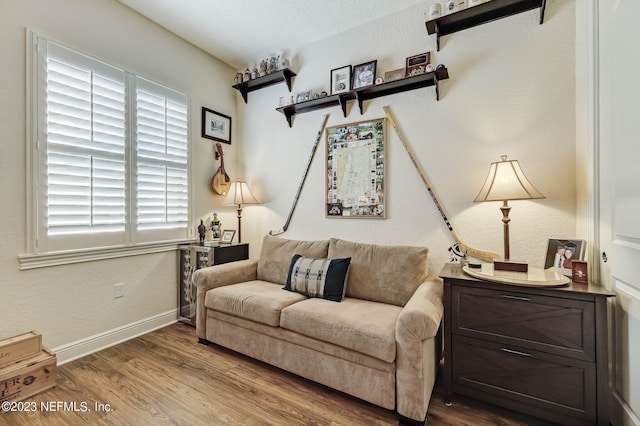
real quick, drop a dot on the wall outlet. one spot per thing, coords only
(118, 290)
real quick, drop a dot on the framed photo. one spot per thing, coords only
(216, 126)
(341, 79)
(417, 64)
(364, 74)
(303, 96)
(356, 170)
(579, 272)
(398, 74)
(561, 254)
(227, 236)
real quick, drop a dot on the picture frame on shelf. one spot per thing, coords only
(341, 79)
(417, 64)
(359, 147)
(227, 236)
(216, 126)
(580, 272)
(562, 252)
(394, 75)
(303, 96)
(364, 74)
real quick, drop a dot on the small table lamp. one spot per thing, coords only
(506, 181)
(239, 195)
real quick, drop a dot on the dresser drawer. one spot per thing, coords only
(537, 380)
(549, 324)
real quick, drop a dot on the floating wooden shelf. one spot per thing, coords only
(276, 77)
(480, 14)
(366, 93)
(314, 104)
(402, 85)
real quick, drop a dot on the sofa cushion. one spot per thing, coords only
(276, 254)
(385, 274)
(323, 278)
(254, 300)
(363, 326)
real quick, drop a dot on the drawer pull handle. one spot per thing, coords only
(524, 299)
(511, 351)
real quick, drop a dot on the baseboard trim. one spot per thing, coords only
(83, 347)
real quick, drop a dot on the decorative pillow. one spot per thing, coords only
(324, 278)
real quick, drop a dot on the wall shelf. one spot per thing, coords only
(481, 14)
(274, 78)
(314, 104)
(402, 85)
(366, 93)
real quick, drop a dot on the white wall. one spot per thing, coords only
(73, 303)
(511, 91)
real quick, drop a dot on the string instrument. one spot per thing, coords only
(220, 183)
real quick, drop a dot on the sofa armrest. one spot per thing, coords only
(417, 349)
(217, 276)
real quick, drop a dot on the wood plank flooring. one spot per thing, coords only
(166, 378)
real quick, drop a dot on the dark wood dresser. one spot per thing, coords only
(538, 350)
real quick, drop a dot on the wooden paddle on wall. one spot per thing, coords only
(220, 182)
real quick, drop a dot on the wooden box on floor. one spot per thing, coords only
(26, 378)
(20, 347)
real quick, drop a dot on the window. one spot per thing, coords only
(109, 155)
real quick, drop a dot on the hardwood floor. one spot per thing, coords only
(166, 378)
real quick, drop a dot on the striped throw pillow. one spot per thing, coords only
(324, 278)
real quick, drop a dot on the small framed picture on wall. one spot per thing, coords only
(216, 126)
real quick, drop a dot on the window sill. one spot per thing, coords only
(34, 261)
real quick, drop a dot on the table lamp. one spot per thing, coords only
(505, 182)
(239, 195)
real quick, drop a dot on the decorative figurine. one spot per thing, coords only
(274, 63)
(202, 231)
(269, 65)
(283, 62)
(247, 75)
(216, 227)
(238, 78)
(254, 73)
(263, 68)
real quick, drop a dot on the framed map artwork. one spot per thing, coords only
(356, 170)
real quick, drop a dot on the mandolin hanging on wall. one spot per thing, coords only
(220, 183)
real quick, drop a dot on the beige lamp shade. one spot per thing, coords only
(239, 194)
(506, 181)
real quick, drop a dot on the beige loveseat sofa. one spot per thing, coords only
(380, 343)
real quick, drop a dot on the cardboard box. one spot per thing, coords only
(20, 347)
(28, 377)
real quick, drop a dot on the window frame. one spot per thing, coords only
(38, 251)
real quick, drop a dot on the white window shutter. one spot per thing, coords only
(162, 157)
(85, 155)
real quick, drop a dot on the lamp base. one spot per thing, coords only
(510, 265)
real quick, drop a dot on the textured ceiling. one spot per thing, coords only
(240, 31)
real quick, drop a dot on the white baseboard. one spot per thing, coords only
(83, 347)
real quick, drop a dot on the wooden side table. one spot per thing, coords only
(542, 351)
(192, 257)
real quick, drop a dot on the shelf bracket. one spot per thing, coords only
(289, 116)
(542, 8)
(437, 37)
(360, 102)
(436, 84)
(343, 104)
(244, 94)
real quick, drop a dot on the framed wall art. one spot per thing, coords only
(561, 254)
(356, 170)
(341, 80)
(216, 126)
